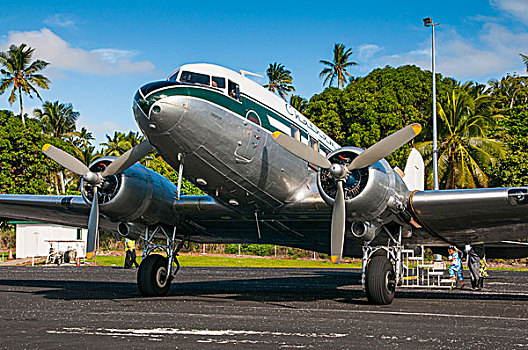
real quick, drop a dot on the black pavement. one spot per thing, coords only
(100, 307)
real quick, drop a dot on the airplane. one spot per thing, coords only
(271, 177)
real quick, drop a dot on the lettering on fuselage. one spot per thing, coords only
(216, 116)
(304, 121)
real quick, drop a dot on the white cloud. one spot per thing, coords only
(59, 20)
(493, 53)
(366, 51)
(516, 8)
(62, 56)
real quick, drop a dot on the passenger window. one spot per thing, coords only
(195, 78)
(295, 132)
(314, 144)
(218, 82)
(233, 90)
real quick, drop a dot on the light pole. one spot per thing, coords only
(428, 22)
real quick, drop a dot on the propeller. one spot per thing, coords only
(340, 173)
(119, 165)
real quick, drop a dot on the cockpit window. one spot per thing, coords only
(218, 82)
(195, 78)
(233, 90)
(174, 77)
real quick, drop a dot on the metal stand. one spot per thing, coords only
(393, 251)
(171, 249)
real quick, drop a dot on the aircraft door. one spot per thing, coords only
(249, 144)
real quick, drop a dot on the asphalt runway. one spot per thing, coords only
(220, 308)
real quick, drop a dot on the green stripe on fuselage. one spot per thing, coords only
(219, 98)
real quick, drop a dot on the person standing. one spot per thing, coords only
(456, 268)
(473, 261)
(481, 252)
(130, 254)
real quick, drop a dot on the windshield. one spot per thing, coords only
(195, 78)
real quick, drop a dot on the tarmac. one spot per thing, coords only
(251, 308)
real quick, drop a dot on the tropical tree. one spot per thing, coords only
(510, 91)
(525, 60)
(85, 152)
(465, 149)
(337, 69)
(58, 119)
(21, 75)
(298, 103)
(120, 142)
(80, 137)
(280, 80)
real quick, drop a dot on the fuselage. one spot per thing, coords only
(220, 124)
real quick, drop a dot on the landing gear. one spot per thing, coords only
(156, 271)
(381, 270)
(152, 278)
(380, 283)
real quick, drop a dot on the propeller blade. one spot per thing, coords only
(337, 230)
(128, 159)
(65, 159)
(93, 226)
(301, 150)
(385, 147)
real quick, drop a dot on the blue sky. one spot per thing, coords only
(102, 51)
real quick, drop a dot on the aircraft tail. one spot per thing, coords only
(414, 176)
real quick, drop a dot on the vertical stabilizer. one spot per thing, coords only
(414, 171)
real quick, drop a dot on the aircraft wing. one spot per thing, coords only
(62, 210)
(470, 215)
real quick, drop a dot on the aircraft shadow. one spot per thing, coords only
(315, 285)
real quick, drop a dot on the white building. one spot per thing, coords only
(35, 239)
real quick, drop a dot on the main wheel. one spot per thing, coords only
(380, 283)
(152, 276)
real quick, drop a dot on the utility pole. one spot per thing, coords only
(428, 22)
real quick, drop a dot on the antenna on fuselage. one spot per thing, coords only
(244, 72)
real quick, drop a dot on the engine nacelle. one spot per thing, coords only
(369, 192)
(137, 195)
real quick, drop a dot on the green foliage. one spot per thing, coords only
(512, 170)
(511, 91)
(23, 166)
(465, 148)
(280, 80)
(337, 68)
(161, 167)
(376, 105)
(251, 249)
(58, 119)
(20, 74)
(298, 103)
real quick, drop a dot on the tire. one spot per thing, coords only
(151, 277)
(380, 282)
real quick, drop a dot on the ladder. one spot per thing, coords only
(419, 273)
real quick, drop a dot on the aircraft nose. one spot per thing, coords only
(158, 109)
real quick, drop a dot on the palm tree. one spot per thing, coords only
(298, 103)
(279, 80)
(21, 75)
(337, 69)
(121, 142)
(58, 119)
(85, 152)
(525, 60)
(464, 148)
